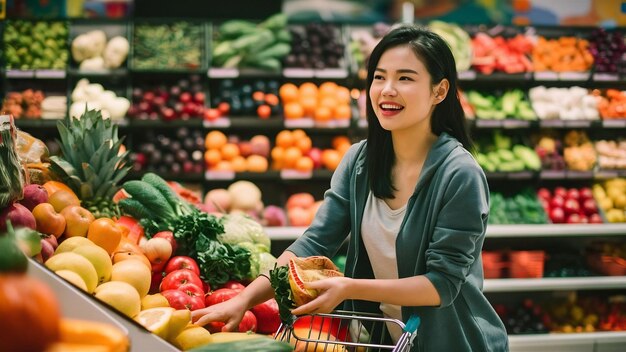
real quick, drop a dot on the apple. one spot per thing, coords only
(267, 316)
(34, 194)
(260, 145)
(544, 193)
(168, 114)
(77, 220)
(211, 114)
(48, 221)
(573, 193)
(18, 215)
(557, 202)
(169, 236)
(557, 215)
(185, 97)
(586, 193)
(245, 148)
(573, 218)
(583, 219)
(316, 155)
(199, 97)
(589, 206)
(560, 191)
(571, 206)
(148, 97)
(595, 219)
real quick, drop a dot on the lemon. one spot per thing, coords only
(99, 258)
(179, 321)
(154, 301)
(76, 263)
(192, 338)
(69, 244)
(135, 273)
(72, 278)
(156, 320)
(121, 296)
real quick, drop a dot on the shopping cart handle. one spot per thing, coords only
(413, 323)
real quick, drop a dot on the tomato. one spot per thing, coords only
(177, 299)
(219, 296)
(135, 230)
(196, 302)
(169, 236)
(223, 108)
(248, 323)
(192, 290)
(28, 308)
(267, 316)
(211, 114)
(182, 262)
(176, 278)
(264, 111)
(234, 285)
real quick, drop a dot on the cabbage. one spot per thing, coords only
(254, 258)
(266, 262)
(239, 228)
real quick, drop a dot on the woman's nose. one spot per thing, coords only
(389, 89)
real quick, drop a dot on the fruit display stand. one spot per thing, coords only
(75, 303)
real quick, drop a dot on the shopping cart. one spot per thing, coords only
(346, 331)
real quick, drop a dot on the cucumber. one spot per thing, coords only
(134, 208)
(150, 197)
(159, 183)
(235, 29)
(275, 22)
(278, 51)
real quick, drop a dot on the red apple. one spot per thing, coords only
(571, 206)
(573, 219)
(595, 219)
(557, 202)
(184, 97)
(560, 191)
(211, 114)
(199, 98)
(573, 193)
(544, 193)
(557, 215)
(589, 206)
(316, 155)
(586, 193)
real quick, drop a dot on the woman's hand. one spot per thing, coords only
(229, 312)
(332, 292)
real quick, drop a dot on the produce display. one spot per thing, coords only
(499, 154)
(259, 97)
(509, 55)
(244, 44)
(550, 150)
(611, 197)
(26, 104)
(607, 49)
(607, 258)
(611, 103)
(183, 100)
(93, 52)
(362, 42)
(88, 96)
(232, 154)
(572, 206)
(522, 208)
(511, 104)
(293, 149)
(611, 154)
(578, 151)
(35, 45)
(323, 103)
(573, 103)
(174, 46)
(316, 46)
(177, 152)
(564, 54)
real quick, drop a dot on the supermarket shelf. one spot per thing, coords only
(284, 175)
(556, 283)
(555, 230)
(606, 341)
(498, 231)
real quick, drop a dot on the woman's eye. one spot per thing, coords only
(378, 77)
(406, 78)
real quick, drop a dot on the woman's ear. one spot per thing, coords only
(441, 91)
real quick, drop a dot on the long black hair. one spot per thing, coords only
(447, 116)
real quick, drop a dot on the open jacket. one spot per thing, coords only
(441, 237)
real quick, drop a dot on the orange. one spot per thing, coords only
(308, 103)
(293, 110)
(256, 163)
(271, 99)
(239, 164)
(342, 112)
(292, 154)
(284, 139)
(339, 140)
(308, 89)
(288, 92)
(258, 96)
(229, 151)
(304, 164)
(323, 113)
(298, 133)
(304, 144)
(328, 89)
(329, 102)
(343, 95)
(212, 157)
(53, 186)
(121, 256)
(278, 154)
(127, 245)
(61, 199)
(223, 165)
(331, 159)
(215, 140)
(105, 233)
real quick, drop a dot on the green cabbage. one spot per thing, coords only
(239, 228)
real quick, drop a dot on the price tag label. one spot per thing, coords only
(331, 73)
(521, 175)
(614, 123)
(546, 76)
(551, 123)
(606, 77)
(467, 75)
(580, 175)
(300, 123)
(552, 174)
(574, 76)
(219, 175)
(220, 122)
(577, 123)
(50, 74)
(220, 72)
(482, 123)
(298, 73)
(290, 174)
(605, 174)
(20, 73)
(511, 123)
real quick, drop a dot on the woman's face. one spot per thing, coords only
(401, 92)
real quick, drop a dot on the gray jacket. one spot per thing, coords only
(441, 237)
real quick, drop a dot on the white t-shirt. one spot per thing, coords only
(379, 230)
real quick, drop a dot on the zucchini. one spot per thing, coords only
(275, 22)
(278, 51)
(134, 208)
(283, 36)
(243, 343)
(159, 183)
(271, 64)
(244, 42)
(236, 28)
(266, 39)
(150, 197)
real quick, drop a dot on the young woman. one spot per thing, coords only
(415, 204)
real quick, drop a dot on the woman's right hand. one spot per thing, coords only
(229, 312)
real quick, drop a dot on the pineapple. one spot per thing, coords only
(91, 163)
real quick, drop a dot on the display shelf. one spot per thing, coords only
(555, 283)
(498, 231)
(35, 74)
(285, 175)
(117, 73)
(51, 123)
(605, 341)
(79, 305)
